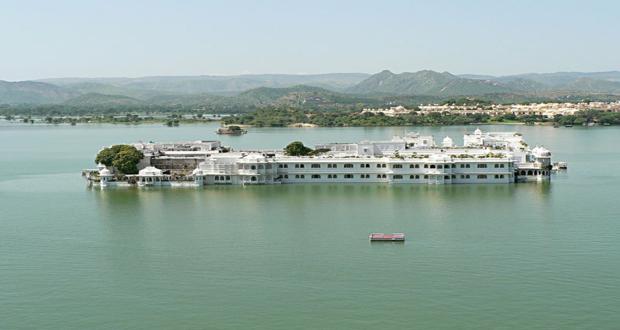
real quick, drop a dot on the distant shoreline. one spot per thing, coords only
(164, 123)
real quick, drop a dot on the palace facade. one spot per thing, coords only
(483, 158)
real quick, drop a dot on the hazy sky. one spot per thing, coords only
(40, 39)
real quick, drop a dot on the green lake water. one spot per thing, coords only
(522, 256)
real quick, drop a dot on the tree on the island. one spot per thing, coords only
(124, 158)
(106, 155)
(297, 149)
(126, 161)
(234, 128)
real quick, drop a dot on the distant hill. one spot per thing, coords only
(433, 83)
(164, 90)
(188, 99)
(522, 85)
(426, 82)
(301, 96)
(226, 85)
(33, 92)
(94, 99)
(295, 96)
(329, 91)
(560, 79)
(590, 85)
(108, 89)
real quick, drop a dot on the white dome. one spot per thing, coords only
(197, 171)
(150, 171)
(478, 131)
(105, 172)
(447, 142)
(100, 166)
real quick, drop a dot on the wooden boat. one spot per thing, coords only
(381, 237)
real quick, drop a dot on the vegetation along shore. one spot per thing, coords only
(303, 119)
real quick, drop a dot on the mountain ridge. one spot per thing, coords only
(258, 90)
(427, 82)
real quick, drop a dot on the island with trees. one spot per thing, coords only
(123, 158)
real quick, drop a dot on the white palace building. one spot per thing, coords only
(484, 158)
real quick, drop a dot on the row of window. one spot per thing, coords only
(395, 177)
(261, 166)
(533, 172)
(485, 165)
(348, 165)
(222, 178)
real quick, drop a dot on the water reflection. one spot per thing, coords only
(117, 202)
(301, 212)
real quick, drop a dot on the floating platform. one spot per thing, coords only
(559, 166)
(381, 237)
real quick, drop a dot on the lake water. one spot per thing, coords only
(535, 256)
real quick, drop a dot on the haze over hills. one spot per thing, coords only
(225, 85)
(303, 90)
(428, 82)
(95, 99)
(33, 92)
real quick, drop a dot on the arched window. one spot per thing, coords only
(253, 178)
(529, 172)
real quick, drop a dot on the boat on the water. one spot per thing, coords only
(560, 166)
(381, 237)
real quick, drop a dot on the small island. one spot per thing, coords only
(231, 130)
